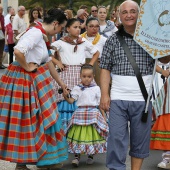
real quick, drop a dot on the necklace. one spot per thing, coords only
(96, 39)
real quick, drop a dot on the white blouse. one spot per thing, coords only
(87, 97)
(33, 46)
(67, 54)
(99, 45)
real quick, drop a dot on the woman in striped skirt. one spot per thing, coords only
(30, 128)
(71, 50)
(160, 134)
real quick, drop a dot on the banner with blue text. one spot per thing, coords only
(153, 27)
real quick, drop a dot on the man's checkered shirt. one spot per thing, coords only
(115, 60)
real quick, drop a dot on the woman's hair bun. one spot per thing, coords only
(54, 14)
(51, 12)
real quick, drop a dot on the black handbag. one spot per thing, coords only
(137, 72)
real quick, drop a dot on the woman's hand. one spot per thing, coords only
(29, 67)
(65, 92)
(32, 67)
(64, 87)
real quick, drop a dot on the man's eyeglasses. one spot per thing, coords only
(94, 26)
(94, 11)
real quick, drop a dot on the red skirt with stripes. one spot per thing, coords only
(160, 134)
(29, 119)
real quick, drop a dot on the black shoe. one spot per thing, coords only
(2, 67)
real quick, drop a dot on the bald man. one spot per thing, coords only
(19, 25)
(94, 11)
(125, 102)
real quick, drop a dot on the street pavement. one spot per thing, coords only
(99, 163)
(149, 163)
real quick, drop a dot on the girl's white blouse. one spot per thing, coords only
(33, 46)
(67, 54)
(87, 97)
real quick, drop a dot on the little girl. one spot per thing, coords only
(71, 51)
(88, 130)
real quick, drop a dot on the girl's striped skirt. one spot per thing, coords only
(71, 77)
(30, 126)
(160, 134)
(87, 131)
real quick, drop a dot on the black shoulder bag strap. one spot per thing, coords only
(137, 72)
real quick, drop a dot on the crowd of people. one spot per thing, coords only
(72, 89)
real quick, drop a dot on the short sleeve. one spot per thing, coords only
(75, 93)
(90, 47)
(7, 28)
(29, 40)
(48, 59)
(15, 23)
(107, 54)
(56, 45)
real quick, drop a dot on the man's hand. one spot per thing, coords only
(105, 103)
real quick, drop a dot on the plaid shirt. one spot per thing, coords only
(115, 60)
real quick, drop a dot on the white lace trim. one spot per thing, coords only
(22, 49)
